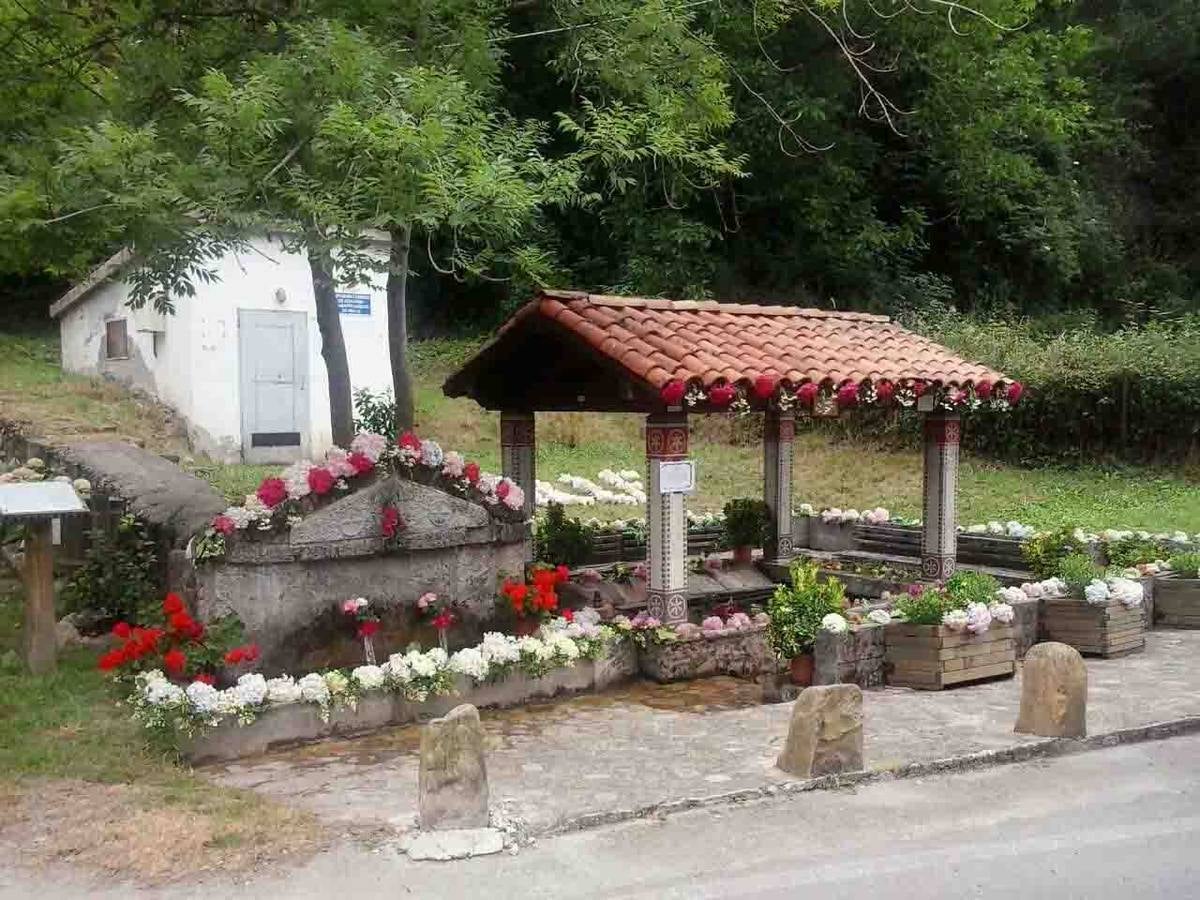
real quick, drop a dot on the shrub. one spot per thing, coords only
(965, 587)
(120, 578)
(1078, 570)
(1186, 565)
(375, 413)
(562, 539)
(796, 609)
(746, 522)
(1131, 551)
(1044, 552)
(927, 607)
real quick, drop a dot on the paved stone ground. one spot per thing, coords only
(648, 743)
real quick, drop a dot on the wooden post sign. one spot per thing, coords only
(36, 505)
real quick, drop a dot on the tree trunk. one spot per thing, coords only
(333, 347)
(397, 304)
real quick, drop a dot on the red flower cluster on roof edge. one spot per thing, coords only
(846, 395)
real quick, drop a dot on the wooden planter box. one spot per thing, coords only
(931, 657)
(1177, 601)
(1111, 629)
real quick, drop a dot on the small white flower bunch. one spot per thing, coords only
(1001, 612)
(369, 678)
(834, 623)
(1127, 591)
(1096, 592)
(879, 617)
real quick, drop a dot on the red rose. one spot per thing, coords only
(368, 628)
(204, 678)
(721, 394)
(272, 492)
(672, 392)
(320, 480)
(561, 574)
(847, 394)
(569, 615)
(122, 630)
(471, 471)
(502, 488)
(983, 389)
(360, 463)
(764, 386)
(172, 603)
(807, 393)
(884, 391)
(111, 660)
(222, 524)
(1015, 390)
(174, 662)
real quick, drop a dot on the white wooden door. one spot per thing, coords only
(273, 353)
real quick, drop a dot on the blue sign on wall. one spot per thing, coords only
(354, 304)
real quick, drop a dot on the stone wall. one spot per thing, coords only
(287, 588)
(853, 657)
(744, 653)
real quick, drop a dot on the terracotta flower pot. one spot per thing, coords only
(743, 555)
(802, 669)
(527, 625)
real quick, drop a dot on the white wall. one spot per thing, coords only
(197, 369)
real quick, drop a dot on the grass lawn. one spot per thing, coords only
(80, 781)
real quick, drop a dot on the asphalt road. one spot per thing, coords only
(1119, 823)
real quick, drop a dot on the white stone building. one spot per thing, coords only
(241, 360)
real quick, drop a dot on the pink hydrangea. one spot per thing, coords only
(739, 620)
(453, 464)
(337, 461)
(514, 498)
(712, 623)
(369, 444)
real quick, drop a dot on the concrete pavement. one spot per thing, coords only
(1116, 823)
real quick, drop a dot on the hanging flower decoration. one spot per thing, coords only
(983, 389)
(764, 387)
(721, 395)
(884, 392)
(807, 393)
(847, 395)
(360, 613)
(1013, 395)
(672, 392)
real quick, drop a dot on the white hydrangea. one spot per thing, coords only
(160, 692)
(470, 662)
(438, 656)
(1126, 590)
(499, 649)
(979, 618)
(1011, 595)
(806, 509)
(1001, 612)
(250, 690)
(879, 617)
(851, 515)
(831, 515)
(421, 665)
(369, 678)
(1096, 592)
(538, 649)
(205, 698)
(835, 623)
(996, 528)
(283, 690)
(313, 688)
(431, 454)
(877, 516)
(295, 479)
(589, 615)
(397, 668)
(563, 647)
(955, 619)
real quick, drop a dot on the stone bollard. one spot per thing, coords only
(825, 735)
(1053, 692)
(453, 787)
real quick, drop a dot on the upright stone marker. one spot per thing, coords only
(825, 735)
(666, 519)
(453, 787)
(939, 535)
(37, 505)
(1053, 692)
(779, 433)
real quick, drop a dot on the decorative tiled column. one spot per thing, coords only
(939, 537)
(666, 439)
(518, 454)
(779, 433)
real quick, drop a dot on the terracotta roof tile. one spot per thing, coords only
(658, 340)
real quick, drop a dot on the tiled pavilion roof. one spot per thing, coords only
(654, 342)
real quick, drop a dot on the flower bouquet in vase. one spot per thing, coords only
(366, 623)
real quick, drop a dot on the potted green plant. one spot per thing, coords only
(796, 611)
(1177, 592)
(746, 523)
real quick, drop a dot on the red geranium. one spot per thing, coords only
(111, 660)
(721, 394)
(222, 524)
(516, 592)
(239, 655)
(569, 615)
(471, 471)
(174, 662)
(272, 492)
(368, 627)
(884, 391)
(983, 389)
(205, 678)
(360, 463)
(672, 392)
(443, 620)
(807, 393)
(172, 603)
(764, 386)
(847, 394)
(1015, 390)
(561, 574)
(320, 479)
(121, 630)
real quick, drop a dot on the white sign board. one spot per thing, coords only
(678, 477)
(39, 499)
